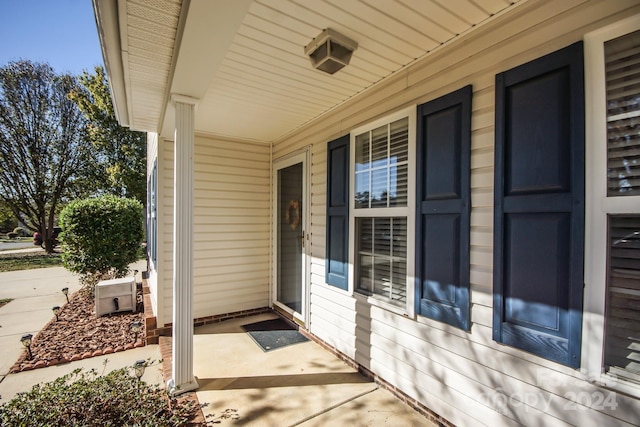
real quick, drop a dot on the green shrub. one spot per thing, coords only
(101, 237)
(12, 235)
(88, 399)
(19, 231)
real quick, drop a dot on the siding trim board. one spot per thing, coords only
(539, 206)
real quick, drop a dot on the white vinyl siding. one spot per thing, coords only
(231, 227)
(464, 376)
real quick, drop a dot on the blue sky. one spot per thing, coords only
(61, 33)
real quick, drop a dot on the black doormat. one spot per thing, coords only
(274, 334)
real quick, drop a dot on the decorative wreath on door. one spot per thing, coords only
(292, 220)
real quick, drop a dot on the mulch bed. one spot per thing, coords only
(79, 334)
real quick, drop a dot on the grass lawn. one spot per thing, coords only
(11, 262)
(3, 238)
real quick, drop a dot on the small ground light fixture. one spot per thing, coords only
(139, 368)
(136, 327)
(65, 291)
(26, 342)
(56, 311)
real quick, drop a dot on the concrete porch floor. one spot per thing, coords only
(299, 385)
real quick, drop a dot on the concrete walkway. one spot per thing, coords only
(24, 381)
(12, 247)
(298, 385)
(34, 292)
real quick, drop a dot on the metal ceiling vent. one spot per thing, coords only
(330, 51)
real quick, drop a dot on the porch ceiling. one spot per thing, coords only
(245, 59)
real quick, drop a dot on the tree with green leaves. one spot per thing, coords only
(44, 149)
(121, 153)
(8, 219)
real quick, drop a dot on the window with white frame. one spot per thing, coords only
(152, 215)
(622, 338)
(613, 77)
(382, 201)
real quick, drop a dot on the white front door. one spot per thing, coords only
(291, 236)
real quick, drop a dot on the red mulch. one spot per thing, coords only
(79, 334)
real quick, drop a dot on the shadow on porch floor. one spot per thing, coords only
(301, 384)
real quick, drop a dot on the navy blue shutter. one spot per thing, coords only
(337, 245)
(539, 206)
(443, 208)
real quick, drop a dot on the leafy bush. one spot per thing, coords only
(84, 398)
(101, 237)
(12, 235)
(19, 231)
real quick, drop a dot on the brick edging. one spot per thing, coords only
(22, 364)
(166, 355)
(153, 332)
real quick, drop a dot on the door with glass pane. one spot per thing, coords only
(290, 240)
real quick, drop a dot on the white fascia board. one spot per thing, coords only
(113, 53)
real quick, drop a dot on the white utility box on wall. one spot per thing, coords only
(115, 295)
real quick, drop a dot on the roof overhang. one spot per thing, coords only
(244, 60)
(107, 19)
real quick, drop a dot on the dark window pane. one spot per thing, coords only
(622, 62)
(622, 342)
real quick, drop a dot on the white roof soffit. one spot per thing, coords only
(244, 60)
(265, 88)
(138, 40)
(201, 50)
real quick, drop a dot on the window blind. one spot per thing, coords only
(381, 174)
(622, 350)
(622, 64)
(382, 257)
(381, 183)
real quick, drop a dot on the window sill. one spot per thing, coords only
(379, 302)
(617, 384)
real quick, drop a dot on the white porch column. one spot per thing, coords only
(182, 353)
